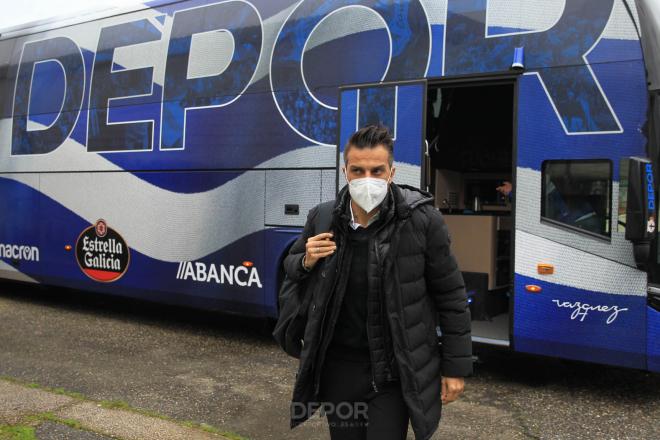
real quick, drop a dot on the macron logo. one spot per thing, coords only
(17, 252)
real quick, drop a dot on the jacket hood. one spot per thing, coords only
(412, 197)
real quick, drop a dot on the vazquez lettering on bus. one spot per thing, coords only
(581, 310)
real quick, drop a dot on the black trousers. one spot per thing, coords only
(354, 410)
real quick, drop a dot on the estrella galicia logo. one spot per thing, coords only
(102, 253)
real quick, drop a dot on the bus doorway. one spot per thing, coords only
(471, 147)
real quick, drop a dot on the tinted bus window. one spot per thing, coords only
(578, 194)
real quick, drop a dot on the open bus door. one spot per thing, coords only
(653, 311)
(649, 17)
(578, 293)
(399, 106)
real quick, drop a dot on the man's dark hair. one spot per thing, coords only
(371, 136)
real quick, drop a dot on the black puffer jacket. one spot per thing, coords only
(421, 285)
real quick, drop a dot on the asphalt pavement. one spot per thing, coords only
(225, 371)
(30, 411)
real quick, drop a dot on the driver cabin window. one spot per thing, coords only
(578, 194)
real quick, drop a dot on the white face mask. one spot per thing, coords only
(368, 192)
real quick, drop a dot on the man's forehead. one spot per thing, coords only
(368, 156)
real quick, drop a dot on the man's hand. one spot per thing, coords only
(317, 247)
(505, 189)
(452, 387)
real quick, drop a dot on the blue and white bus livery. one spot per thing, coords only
(171, 152)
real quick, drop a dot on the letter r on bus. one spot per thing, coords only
(574, 90)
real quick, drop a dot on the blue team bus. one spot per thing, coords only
(171, 152)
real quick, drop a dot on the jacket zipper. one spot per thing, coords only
(393, 246)
(371, 355)
(383, 310)
(383, 314)
(321, 350)
(373, 375)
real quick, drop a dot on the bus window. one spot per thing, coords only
(578, 194)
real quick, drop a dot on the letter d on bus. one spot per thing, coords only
(63, 113)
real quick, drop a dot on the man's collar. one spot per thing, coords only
(355, 225)
(384, 206)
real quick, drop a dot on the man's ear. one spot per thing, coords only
(392, 173)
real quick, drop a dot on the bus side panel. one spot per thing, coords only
(194, 249)
(20, 241)
(301, 189)
(560, 322)
(653, 340)
(278, 242)
(592, 308)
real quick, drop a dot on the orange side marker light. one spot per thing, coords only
(248, 263)
(67, 247)
(533, 288)
(545, 269)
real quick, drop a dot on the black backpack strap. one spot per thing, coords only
(322, 223)
(323, 219)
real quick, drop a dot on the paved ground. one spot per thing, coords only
(226, 372)
(50, 414)
(55, 431)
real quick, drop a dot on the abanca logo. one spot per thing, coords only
(245, 275)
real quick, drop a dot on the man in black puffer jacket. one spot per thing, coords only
(380, 280)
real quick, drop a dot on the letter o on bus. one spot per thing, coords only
(409, 59)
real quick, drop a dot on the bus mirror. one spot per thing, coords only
(640, 221)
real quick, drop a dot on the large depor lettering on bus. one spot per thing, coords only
(410, 44)
(113, 87)
(66, 53)
(574, 91)
(181, 93)
(463, 47)
(110, 85)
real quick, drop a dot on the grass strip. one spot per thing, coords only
(17, 432)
